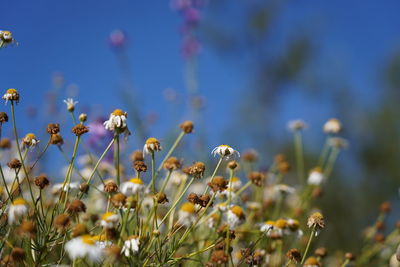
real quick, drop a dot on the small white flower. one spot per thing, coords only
(17, 210)
(332, 126)
(267, 226)
(187, 214)
(236, 183)
(70, 104)
(316, 177)
(152, 145)
(84, 246)
(67, 187)
(132, 187)
(131, 246)
(109, 220)
(228, 193)
(117, 121)
(178, 177)
(296, 125)
(30, 140)
(11, 95)
(235, 216)
(284, 189)
(225, 151)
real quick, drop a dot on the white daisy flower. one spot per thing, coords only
(30, 140)
(117, 121)
(228, 193)
(132, 187)
(131, 246)
(225, 151)
(267, 226)
(284, 189)
(212, 221)
(109, 220)
(178, 177)
(17, 210)
(70, 104)
(74, 186)
(152, 145)
(316, 177)
(296, 125)
(84, 246)
(101, 242)
(187, 214)
(294, 228)
(11, 95)
(235, 216)
(236, 183)
(332, 126)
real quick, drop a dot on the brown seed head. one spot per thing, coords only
(161, 198)
(385, 207)
(204, 200)
(256, 178)
(3, 117)
(41, 181)
(80, 129)
(321, 252)
(172, 163)
(294, 255)
(27, 228)
(139, 166)
(250, 155)
(193, 198)
(79, 229)
(18, 254)
(284, 167)
(187, 126)
(56, 139)
(232, 164)
(76, 206)
(84, 188)
(110, 187)
(5, 143)
(14, 164)
(197, 169)
(311, 261)
(316, 220)
(118, 200)
(218, 183)
(53, 128)
(379, 238)
(219, 257)
(137, 155)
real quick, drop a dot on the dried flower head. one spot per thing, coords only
(11, 95)
(18, 254)
(62, 221)
(27, 228)
(196, 170)
(294, 255)
(137, 155)
(316, 220)
(321, 252)
(250, 155)
(41, 181)
(187, 126)
(232, 164)
(219, 257)
(84, 188)
(218, 183)
(3, 117)
(256, 178)
(53, 128)
(118, 200)
(56, 139)
(5, 143)
(172, 163)
(14, 164)
(79, 229)
(76, 206)
(6, 38)
(140, 166)
(79, 129)
(161, 198)
(110, 187)
(312, 262)
(385, 207)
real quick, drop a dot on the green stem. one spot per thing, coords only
(116, 158)
(308, 245)
(213, 174)
(298, 145)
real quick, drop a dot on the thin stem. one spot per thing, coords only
(308, 244)
(170, 151)
(331, 161)
(153, 176)
(214, 173)
(116, 158)
(298, 145)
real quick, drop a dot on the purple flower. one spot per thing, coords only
(117, 39)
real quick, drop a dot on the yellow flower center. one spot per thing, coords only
(238, 211)
(151, 140)
(107, 215)
(235, 179)
(281, 223)
(19, 201)
(30, 136)
(269, 222)
(224, 146)
(136, 181)
(118, 112)
(317, 169)
(98, 237)
(12, 90)
(188, 207)
(88, 239)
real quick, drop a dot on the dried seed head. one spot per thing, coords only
(18, 254)
(222, 231)
(193, 198)
(53, 128)
(161, 198)
(250, 155)
(139, 166)
(218, 183)
(41, 181)
(110, 187)
(14, 164)
(76, 206)
(379, 225)
(187, 126)
(256, 178)
(118, 200)
(316, 220)
(5, 143)
(61, 221)
(204, 200)
(219, 257)
(385, 207)
(279, 158)
(56, 139)
(197, 169)
(172, 163)
(80, 129)
(232, 164)
(131, 202)
(294, 255)
(84, 187)
(27, 228)
(284, 167)
(137, 155)
(79, 229)
(321, 252)
(82, 117)
(3, 117)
